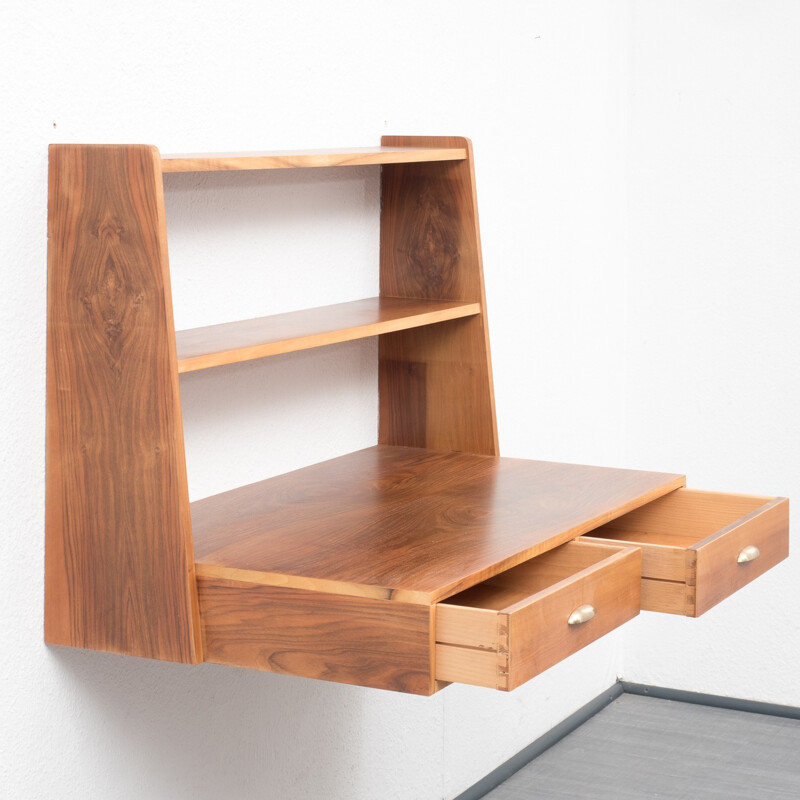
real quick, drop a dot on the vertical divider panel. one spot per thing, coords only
(119, 566)
(435, 382)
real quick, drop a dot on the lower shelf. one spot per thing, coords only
(234, 342)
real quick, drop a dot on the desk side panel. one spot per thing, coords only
(119, 571)
(435, 384)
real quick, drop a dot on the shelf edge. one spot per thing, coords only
(346, 157)
(259, 578)
(293, 344)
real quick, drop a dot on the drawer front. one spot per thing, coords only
(504, 648)
(722, 559)
(700, 547)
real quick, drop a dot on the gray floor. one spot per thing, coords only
(641, 747)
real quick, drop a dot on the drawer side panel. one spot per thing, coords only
(668, 597)
(473, 666)
(469, 627)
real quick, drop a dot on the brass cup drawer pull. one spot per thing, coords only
(581, 614)
(750, 553)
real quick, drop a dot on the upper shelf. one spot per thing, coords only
(232, 342)
(407, 524)
(284, 159)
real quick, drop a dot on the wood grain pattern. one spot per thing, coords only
(668, 597)
(694, 538)
(718, 573)
(469, 618)
(469, 626)
(469, 665)
(435, 384)
(517, 584)
(384, 645)
(684, 517)
(118, 566)
(659, 561)
(539, 633)
(531, 611)
(232, 342)
(420, 524)
(283, 159)
(349, 588)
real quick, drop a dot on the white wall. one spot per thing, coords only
(714, 310)
(583, 342)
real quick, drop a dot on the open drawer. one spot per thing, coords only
(699, 547)
(515, 625)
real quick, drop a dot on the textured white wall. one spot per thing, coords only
(584, 347)
(714, 310)
(538, 88)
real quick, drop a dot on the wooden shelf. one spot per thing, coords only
(232, 342)
(425, 559)
(287, 159)
(407, 524)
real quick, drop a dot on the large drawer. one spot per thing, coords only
(700, 547)
(513, 626)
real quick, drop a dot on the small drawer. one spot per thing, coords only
(515, 625)
(699, 547)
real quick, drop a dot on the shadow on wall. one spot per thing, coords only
(163, 730)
